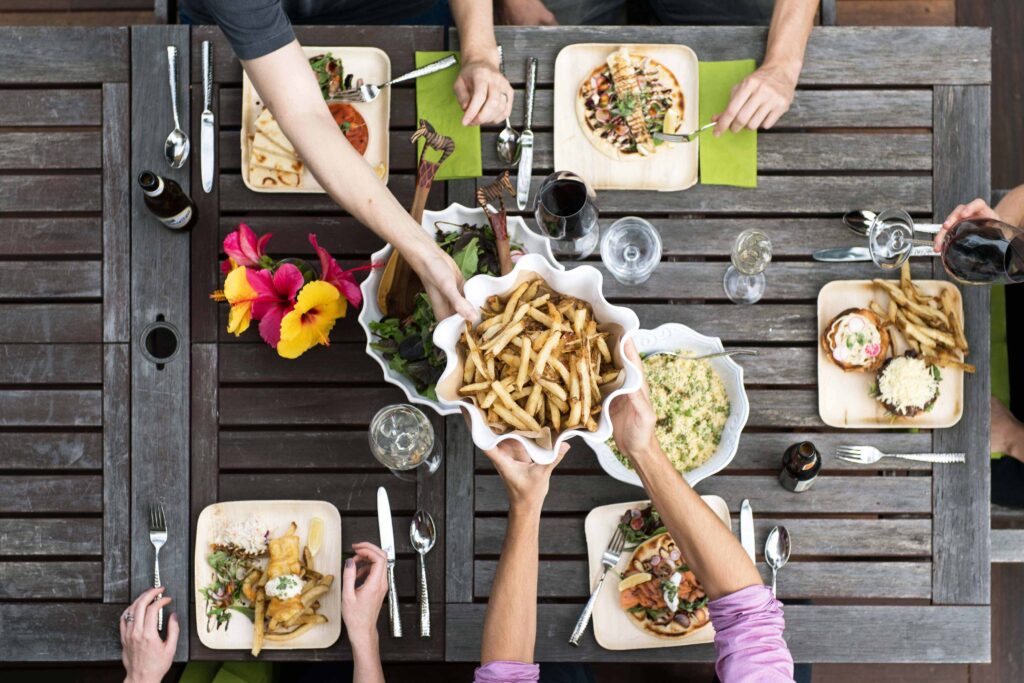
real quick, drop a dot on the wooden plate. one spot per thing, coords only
(613, 628)
(277, 515)
(671, 168)
(844, 398)
(368, 63)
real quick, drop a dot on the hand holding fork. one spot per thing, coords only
(157, 536)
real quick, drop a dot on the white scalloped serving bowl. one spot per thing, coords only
(582, 282)
(456, 214)
(673, 337)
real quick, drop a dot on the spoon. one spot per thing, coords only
(776, 551)
(422, 534)
(860, 223)
(508, 138)
(176, 146)
(718, 354)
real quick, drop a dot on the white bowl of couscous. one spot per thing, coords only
(701, 406)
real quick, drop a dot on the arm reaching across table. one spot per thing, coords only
(748, 620)
(484, 94)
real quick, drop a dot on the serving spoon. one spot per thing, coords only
(176, 146)
(508, 138)
(717, 354)
(776, 551)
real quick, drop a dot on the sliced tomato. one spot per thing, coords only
(352, 124)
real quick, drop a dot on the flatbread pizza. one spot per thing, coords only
(660, 593)
(624, 101)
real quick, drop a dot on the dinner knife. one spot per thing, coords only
(206, 122)
(526, 139)
(387, 544)
(747, 528)
(850, 254)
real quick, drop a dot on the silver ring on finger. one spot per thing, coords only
(128, 617)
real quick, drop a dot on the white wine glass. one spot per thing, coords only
(744, 280)
(402, 439)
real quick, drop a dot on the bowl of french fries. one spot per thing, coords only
(544, 360)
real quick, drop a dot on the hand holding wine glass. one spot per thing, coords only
(979, 208)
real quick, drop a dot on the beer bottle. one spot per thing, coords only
(167, 201)
(800, 465)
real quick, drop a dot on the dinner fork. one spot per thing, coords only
(866, 455)
(157, 536)
(609, 559)
(684, 137)
(368, 93)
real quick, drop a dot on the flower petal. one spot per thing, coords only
(288, 281)
(270, 324)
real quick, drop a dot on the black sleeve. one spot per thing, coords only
(254, 28)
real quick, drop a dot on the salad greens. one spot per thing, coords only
(224, 594)
(330, 74)
(638, 525)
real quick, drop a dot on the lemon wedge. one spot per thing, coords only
(316, 535)
(671, 122)
(634, 580)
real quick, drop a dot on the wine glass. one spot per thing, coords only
(566, 213)
(402, 439)
(891, 238)
(631, 250)
(983, 251)
(744, 281)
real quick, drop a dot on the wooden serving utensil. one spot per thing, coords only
(491, 198)
(399, 285)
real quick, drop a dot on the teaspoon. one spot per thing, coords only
(176, 146)
(422, 534)
(508, 138)
(776, 551)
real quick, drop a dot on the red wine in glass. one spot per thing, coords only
(567, 214)
(982, 251)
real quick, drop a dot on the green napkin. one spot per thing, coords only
(1000, 363)
(228, 672)
(732, 158)
(435, 102)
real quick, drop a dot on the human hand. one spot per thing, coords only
(360, 605)
(525, 13)
(525, 481)
(979, 208)
(760, 99)
(442, 280)
(147, 657)
(484, 94)
(633, 416)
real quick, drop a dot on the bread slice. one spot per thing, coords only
(831, 339)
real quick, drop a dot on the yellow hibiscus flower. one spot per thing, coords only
(241, 296)
(318, 306)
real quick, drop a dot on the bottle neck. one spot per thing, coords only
(158, 190)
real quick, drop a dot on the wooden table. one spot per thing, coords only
(890, 565)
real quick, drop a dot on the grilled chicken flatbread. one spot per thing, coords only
(660, 593)
(623, 102)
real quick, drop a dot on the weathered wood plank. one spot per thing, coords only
(42, 537)
(51, 451)
(205, 444)
(159, 291)
(51, 580)
(288, 406)
(74, 5)
(51, 493)
(818, 537)
(736, 324)
(50, 323)
(961, 567)
(116, 472)
(57, 107)
(339, 235)
(47, 632)
(76, 55)
(116, 213)
(349, 492)
(702, 236)
(865, 634)
(903, 13)
(39, 151)
(205, 242)
(235, 197)
(50, 279)
(1007, 545)
(801, 580)
(840, 495)
(835, 55)
(51, 364)
(431, 498)
(50, 408)
(50, 192)
(460, 493)
(50, 236)
(341, 363)
(307, 449)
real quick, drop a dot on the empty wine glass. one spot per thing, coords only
(744, 281)
(402, 439)
(891, 238)
(631, 250)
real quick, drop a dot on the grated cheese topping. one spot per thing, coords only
(907, 383)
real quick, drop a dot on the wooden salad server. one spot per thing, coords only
(491, 198)
(399, 285)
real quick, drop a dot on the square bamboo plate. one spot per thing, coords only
(370, 64)
(613, 628)
(844, 398)
(277, 515)
(670, 169)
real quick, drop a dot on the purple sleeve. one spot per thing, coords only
(748, 637)
(507, 672)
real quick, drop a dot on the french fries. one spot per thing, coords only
(931, 326)
(537, 361)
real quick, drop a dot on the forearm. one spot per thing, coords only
(475, 21)
(1011, 208)
(366, 667)
(510, 625)
(791, 25)
(710, 549)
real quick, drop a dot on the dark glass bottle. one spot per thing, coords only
(167, 201)
(800, 465)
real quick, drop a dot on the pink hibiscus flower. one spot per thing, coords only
(331, 272)
(244, 248)
(275, 298)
